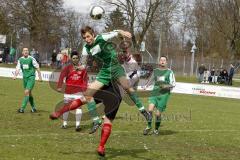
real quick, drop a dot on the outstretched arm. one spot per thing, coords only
(84, 58)
(115, 33)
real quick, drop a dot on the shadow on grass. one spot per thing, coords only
(38, 113)
(84, 128)
(119, 118)
(167, 132)
(130, 153)
(42, 111)
(117, 153)
(163, 133)
(28, 111)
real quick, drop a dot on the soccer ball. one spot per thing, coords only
(97, 12)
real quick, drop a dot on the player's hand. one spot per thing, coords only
(40, 79)
(125, 34)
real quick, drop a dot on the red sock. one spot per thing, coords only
(70, 106)
(106, 131)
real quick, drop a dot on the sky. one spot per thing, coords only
(84, 6)
(79, 5)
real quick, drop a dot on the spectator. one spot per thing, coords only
(5, 55)
(64, 58)
(37, 57)
(59, 60)
(54, 58)
(12, 55)
(206, 75)
(213, 77)
(32, 53)
(223, 76)
(218, 71)
(220, 75)
(201, 70)
(230, 76)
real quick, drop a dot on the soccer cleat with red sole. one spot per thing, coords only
(53, 116)
(101, 151)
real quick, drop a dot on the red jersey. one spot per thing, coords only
(75, 80)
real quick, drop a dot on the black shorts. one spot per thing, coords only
(111, 98)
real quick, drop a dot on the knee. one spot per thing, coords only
(88, 99)
(76, 102)
(150, 109)
(158, 114)
(126, 86)
(26, 92)
(106, 120)
(130, 90)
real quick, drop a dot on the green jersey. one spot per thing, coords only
(28, 66)
(12, 51)
(101, 50)
(162, 77)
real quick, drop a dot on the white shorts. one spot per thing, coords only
(70, 97)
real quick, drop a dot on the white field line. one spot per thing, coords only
(85, 133)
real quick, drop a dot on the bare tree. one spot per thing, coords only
(71, 29)
(225, 17)
(115, 20)
(4, 26)
(139, 16)
(218, 25)
(40, 18)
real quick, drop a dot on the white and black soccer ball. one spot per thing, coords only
(97, 12)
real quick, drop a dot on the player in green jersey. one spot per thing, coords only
(164, 81)
(111, 70)
(28, 65)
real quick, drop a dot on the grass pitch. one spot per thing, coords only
(193, 128)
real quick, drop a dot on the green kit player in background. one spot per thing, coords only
(164, 81)
(28, 65)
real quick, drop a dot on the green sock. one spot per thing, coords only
(31, 100)
(149, 123)
(136, 100)
(92, 110)
(158, 122)
(24, 102)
